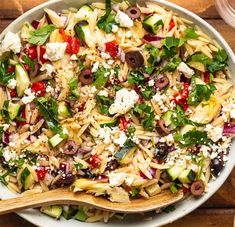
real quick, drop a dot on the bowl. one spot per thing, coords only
(183, 207)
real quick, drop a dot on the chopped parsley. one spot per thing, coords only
(4, 75)
(135, 192)
(73, 87)
(104, 103)
(101, 77)
(135, 77)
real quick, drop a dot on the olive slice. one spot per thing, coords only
(162, 82)
(134, 59)
(133, 12)
(86, 77)
(216, 166)
(197, 188)
(162, 128)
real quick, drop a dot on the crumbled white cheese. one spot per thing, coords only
(8, 155)
(151, 83)
(95, 67)
(5, 127)
(124, 101)
(129, 180)
(167, 139)
(214, 133)
(105, 134)
(105, 55)
(114, 28)
(11, 42)
(55, 51)
(205, 150)
(110, 62)
(121, 139)
(111, 148)
(103, 93)
(73, 57)
(123, 19)
(128, 34)
(135, 139)
(49, 89)
(49, 68)
(183, 68)
(116, 179)
(160, 99)
(29, 96)
(11, 84)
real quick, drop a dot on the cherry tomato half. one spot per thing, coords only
(39, 88)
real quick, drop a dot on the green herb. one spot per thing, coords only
(135, 77)
(173, 188)
(200, 57)
(116, 70)
(73, 87)
(169, 208)
(25, 173)
(172, 64)
(104, 103)
(147, 93)
(193, 137)
(108, 20)
(80, 33)
(190, 33)
(4, 75)
(31, 157)
(81, 215)
(220, 61)
(101, 77)
(130, 131)
(135, 192)
(40, 36)
(29, 62)
(1, 132)
(154, 54)
(124, 150)
(170, 42)
(199, 92)
(5, 111)
(78, 165)
(3, 177)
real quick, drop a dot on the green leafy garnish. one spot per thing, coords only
(29, 62)
(193, 137)
(4, 75)
(135, 192)
(78, 165)
(73, 87)
(81, 215)
(5, 111)
(170, 42)
(25, 173)
(40, 36)
(147, 93)
(190, 33)
(199, 92)
(130, 131)
(101, 77)
(135, 77)
(220, 61)
(172, 64)
(104, 104)
(169, 208)
(174, 187)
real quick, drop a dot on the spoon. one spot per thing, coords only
(64, 196)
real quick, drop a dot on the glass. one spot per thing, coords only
(226, 9)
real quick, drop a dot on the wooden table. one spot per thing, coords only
(217, 211)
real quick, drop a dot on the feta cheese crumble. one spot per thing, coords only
(95, 67)
(114, 28)
(29, 96)
(215, 133)
(11, 42)
(55, 51)
(11, 84)
(124, 101)
(103, 93)
(123, 19)
(183, 68)
(116, 179)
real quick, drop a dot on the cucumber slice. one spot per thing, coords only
(153, 189)
(63, 111)
(68, 212)
(84, 13)
(13, 110)
(83, 32)
(197, 65)
(22, 80)
(27, 178)
(55, 140)
(81, 215)
(110, 123)
(174, 172)
(167, 120)
(152, 22)
(54, 211)
(187, 176)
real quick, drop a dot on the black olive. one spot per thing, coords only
(87, 173)
(112, 165)
(71, 147)
(86, 77)
(134, 59)
(133, 12)
(162, 129)
(61, 180)
(82, 23)
(161, 151)
(216, 166)
(197, 188)
(162, 82)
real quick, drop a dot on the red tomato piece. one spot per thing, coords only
(181, 97)
(11, 69)
(73, 45)
(94, 161)
(31, 52)
(207, 77)
(140, 100)
(112, 48)
(123, 123)
(27, 67)
(42, 51)
(13, 93)
(171, 25)
(41, 173)
(39, 88)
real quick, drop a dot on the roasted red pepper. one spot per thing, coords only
(94, 161)
(13, 93)
(73, 43)
(42, 52)
(207, 76)
(123, 123)
(31, 52)
(11, 69)
(171, 25)
(41, 173)
(181, 97)
(27, 67)
(39, 88)
(112, 48)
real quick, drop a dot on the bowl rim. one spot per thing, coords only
(173, 216)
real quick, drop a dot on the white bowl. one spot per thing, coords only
(182, 208)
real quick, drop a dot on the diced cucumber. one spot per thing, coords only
(27, 178)
(13, 110)
(63, 110)
(22, 80)
(187, 176)
(26, 30)
(84, 33)
(54, 211)
(197, 65)
(152, 22)
(174, 172)
(153, 189)
(127, 158)
(84, 13)
(55, 140)
(81, 215)
(68, 212)
(167, 119)
(111, 123)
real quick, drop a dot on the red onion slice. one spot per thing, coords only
(229, 129)
(6, 138)
(36, 70)
(65, 167)
(35, 23)
(48, 19)
(152, 39)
